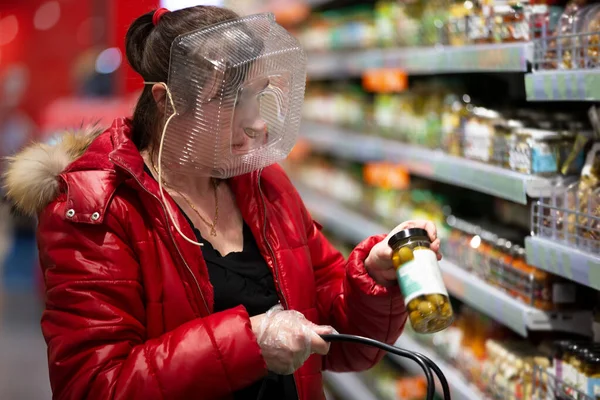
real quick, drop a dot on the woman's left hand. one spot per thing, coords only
(379, 261)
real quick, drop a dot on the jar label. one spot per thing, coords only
(593, 387)
(421, 276)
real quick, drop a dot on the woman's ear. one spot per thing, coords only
(159, 93)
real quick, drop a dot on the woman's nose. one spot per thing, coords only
(257, 128)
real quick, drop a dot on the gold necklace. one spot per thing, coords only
(212, 225)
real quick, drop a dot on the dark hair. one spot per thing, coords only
(148, 50)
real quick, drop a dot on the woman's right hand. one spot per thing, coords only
(287, 339)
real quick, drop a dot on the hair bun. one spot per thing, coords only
(158, 15)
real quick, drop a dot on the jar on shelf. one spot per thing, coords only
(558, 358)
(591, 373)
(456, 29)
(479, 22)
(420, 280)
(481, 264)
(499, 262)
(535, 152)
(591, 39)
(510, 23)
(570, 363)
(504, 137)
(479, 130)
(546, 291)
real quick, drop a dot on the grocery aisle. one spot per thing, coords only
(23, 363)
(481, 116)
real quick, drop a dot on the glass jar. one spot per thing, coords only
(479, 130)
(542, 290)
(534, 151)
(497, 267)
(559, 350)
(570, 362)
(510, 23)
(504, 133)
(420, 279)
(591, 372)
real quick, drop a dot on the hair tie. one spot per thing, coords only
(158, 15)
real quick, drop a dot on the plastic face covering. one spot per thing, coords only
(237, 90)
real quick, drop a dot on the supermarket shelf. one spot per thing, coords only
(506, 309)
(506, 57)
(567, 85)
(335, 217)
(432, 164)
(488, 299)
(349, 386)
(459, 387)
(568, 262)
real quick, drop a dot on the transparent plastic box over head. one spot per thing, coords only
(237, 91)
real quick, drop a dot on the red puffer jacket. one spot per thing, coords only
(129, 303)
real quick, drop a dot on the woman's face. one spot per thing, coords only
(211, 133)
(249, 130)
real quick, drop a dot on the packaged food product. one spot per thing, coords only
(454, 116)
(432, 112)
(560, 349)
(386, 15)
(480, 23)
(385, 109)
(421, 281)
(569, 371)
(591, 375)
(586, 360)
(435, 16)
(534, 151)
(479, 130)
(591, 40)
(570, 25)
(539, 288)
(504, 137)
(481, 264)
(583, 225)
(497, 263)
(408, 23)
(457, 24)
(510, 23)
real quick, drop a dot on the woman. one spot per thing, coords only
(134, 308)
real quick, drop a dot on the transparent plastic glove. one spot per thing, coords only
(287, 339)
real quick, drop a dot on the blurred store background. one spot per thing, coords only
(479, 114)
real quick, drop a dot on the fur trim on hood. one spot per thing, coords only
(31, 179)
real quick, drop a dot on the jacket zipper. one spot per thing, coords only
(275, 266)
(170, 233)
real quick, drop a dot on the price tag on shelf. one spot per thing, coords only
(564, 261)
(594, 274)
(552, 261)
(591, 86)
(563, 85)
(385, 80)
(566, 266)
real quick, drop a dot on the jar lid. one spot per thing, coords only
(592, 359)
(539, 134)
(406, 233)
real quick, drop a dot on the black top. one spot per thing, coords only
(244, 278)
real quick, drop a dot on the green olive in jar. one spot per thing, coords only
(420, 280)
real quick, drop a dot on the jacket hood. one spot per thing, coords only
(31, 179)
